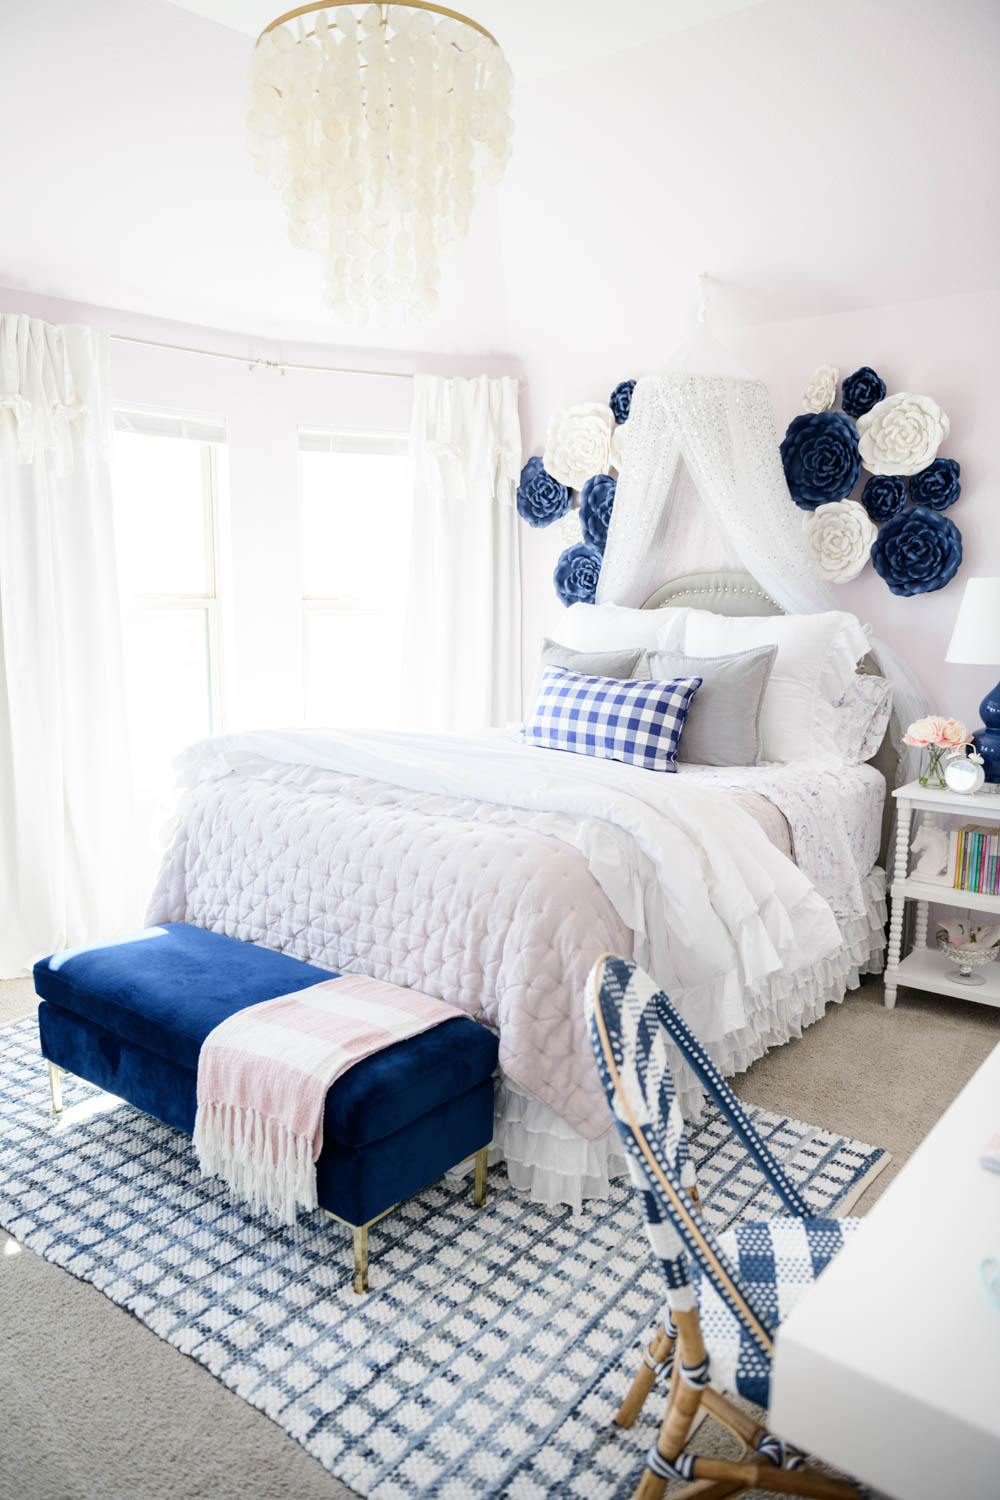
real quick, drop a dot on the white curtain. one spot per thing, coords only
(65, 843)
(710, 439)
(462, 635)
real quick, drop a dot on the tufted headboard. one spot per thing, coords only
(739, 594)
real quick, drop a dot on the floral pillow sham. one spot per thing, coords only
(861, 717)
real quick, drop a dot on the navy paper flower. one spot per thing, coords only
(917, 551)
(596, 499)
(937, 485)
(883, 496)
(620, 400)
(576, 574)
(820, 458)
(861, 391)
(540, 498)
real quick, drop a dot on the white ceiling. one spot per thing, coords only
(538, 36)
(810, 164)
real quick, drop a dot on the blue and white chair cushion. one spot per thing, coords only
(612, 718)
(775, 1261)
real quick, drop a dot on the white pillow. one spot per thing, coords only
(817, 656)
(610, 627)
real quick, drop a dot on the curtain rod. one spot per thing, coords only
(259, 363)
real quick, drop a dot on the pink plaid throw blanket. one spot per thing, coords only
(264, 1074)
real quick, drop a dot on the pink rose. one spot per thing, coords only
(954, 734)
(922, 732)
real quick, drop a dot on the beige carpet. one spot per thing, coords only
(93, 1404)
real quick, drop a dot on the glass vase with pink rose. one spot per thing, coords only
(939, 738)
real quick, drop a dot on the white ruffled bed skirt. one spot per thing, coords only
(553, 1163)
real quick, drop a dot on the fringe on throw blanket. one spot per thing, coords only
(264, 1074)
(259, 1158)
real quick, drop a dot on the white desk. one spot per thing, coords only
(889, 1367)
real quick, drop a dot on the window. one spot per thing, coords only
(165, 474)
(355, 541)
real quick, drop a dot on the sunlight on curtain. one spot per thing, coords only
(66, 872)
(462, 637)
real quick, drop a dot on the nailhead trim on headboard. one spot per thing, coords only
(725, 589)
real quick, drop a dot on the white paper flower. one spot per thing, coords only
(839, 535)
(619, 445)
(578, 444)
(821, 392)
(902, 434)
(570, 529)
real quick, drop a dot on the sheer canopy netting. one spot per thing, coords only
(715, 434)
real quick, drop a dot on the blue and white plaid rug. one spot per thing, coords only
(494, 1348)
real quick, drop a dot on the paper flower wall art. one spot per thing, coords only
(839, 536)
(540, 498)
(820, 458)
(578, 443)
(896, 439)
(821, 392)
(576, 574)
(937, 485)
(620, 400)
(901, 434)
(596, 500)
(883, 496)
(861, 391)
(918, 551)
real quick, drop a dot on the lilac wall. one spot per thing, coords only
(944, 347)
(833, 171)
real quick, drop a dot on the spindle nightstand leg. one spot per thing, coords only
(897, 903)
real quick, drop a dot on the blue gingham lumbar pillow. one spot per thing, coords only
(612, 718)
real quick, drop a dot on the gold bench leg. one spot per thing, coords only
(361, 1258)
(479, 1192)
(55, 1087)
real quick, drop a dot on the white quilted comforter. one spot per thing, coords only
(492, 875)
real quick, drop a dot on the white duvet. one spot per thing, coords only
(492, 875)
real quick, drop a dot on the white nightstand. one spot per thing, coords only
(925, 968)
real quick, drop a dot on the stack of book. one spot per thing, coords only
(975, 859)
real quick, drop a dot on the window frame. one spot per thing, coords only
(312, 439)
(211, 439)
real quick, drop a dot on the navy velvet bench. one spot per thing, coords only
(131, 1016)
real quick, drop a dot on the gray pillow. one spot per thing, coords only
(591, 663)
(723, 722)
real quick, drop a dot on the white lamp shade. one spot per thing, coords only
(976, 636)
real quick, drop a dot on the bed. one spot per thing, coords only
(493, 875)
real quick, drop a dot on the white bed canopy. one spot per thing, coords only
(702, 487)
(702, 457)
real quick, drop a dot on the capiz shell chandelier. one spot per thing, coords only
(376, 124)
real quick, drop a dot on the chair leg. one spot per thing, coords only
(683, 1405)
(479, 1191)
(360, 1258)
(55, 1087)
(660, 1349)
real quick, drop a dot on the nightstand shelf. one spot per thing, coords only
(944, 895)
(925, 968)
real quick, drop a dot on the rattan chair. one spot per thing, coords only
(725, 1293)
